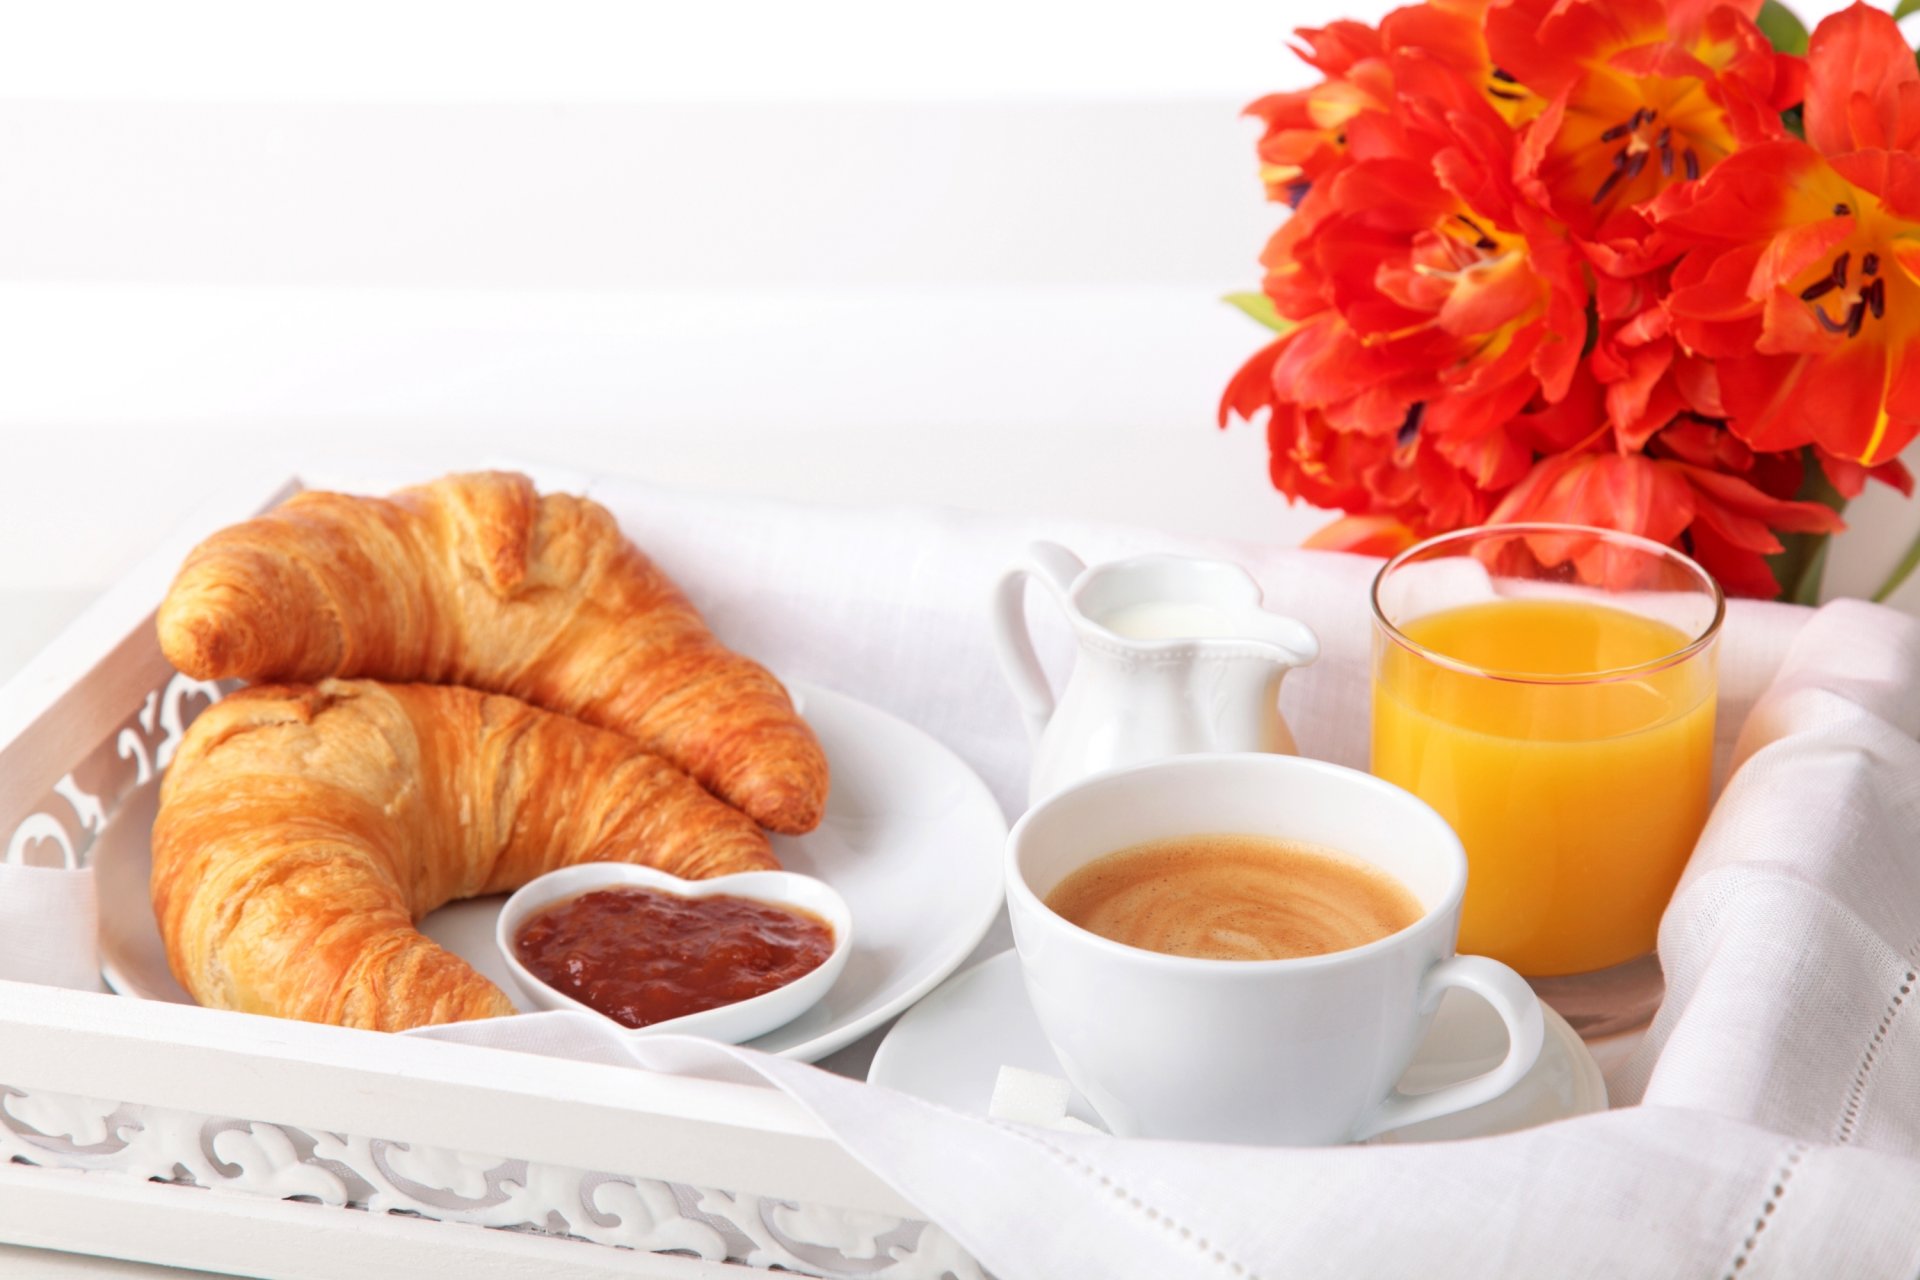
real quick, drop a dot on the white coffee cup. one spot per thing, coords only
(1285, 1052)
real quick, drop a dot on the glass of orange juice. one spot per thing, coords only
(1550, 690)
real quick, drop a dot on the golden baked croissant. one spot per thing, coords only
(479, 580)
(303, 831)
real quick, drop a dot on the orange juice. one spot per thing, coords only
(1578, 795)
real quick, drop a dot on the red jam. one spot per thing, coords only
(642, 956)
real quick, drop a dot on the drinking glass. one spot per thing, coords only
(1550, 690)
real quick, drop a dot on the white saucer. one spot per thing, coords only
(912, 840)
(950, 1047)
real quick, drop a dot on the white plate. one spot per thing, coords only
(912, 839)
(951, 1046)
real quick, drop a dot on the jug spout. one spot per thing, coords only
(1231, 691)
(1236, 684)
(1292, 641)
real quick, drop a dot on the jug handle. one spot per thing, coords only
(1055, 568)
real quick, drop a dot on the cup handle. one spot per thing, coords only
(1517, 1006)
(1054, 567)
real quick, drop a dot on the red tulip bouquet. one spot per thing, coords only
(1646, 264)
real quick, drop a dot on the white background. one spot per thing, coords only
(864, 252)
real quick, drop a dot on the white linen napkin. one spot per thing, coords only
(1778, 1125)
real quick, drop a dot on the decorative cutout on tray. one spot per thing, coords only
(62, 827)
(67, 1131)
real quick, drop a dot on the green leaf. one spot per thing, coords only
(1807, 590)
(1786, 33)
(1904, 8)
(1260, 307)
(1802, 563)
(1901, 572)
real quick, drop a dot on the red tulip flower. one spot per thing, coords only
(1574, 259)
(1801, 279)
(1641, 95)
(1432, 304)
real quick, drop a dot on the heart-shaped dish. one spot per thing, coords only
(728, 1023)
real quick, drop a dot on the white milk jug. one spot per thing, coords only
(1176, 656)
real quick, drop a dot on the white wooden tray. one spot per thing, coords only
(198, 1138)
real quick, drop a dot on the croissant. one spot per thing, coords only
(303, 830)
(478, 580)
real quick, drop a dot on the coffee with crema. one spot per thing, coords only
(1235, 897)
